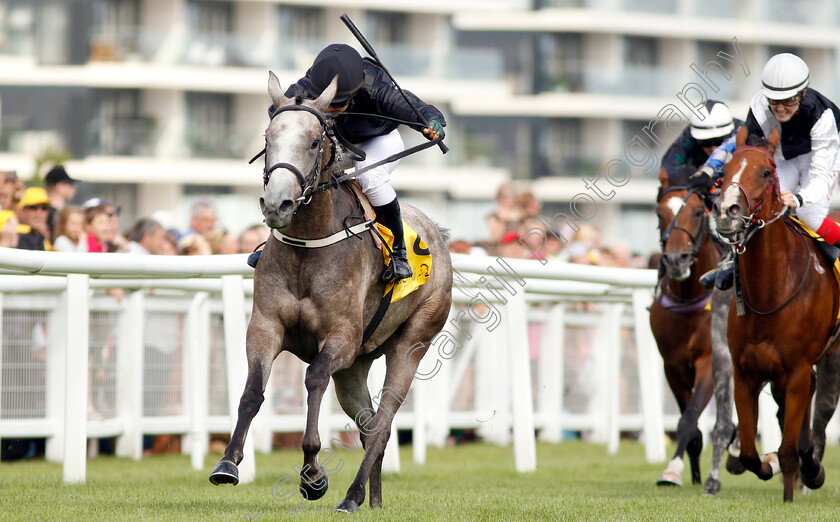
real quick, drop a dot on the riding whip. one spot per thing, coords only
(362, 40)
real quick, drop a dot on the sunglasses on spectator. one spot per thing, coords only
(787, 102)
(714, 142)
(38, 207)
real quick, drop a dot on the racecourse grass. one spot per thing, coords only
(574, 481)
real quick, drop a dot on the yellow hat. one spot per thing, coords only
(5, 216)
(34, 196)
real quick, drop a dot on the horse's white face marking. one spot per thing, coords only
(730, 197)
(674, 204)
(817, 266)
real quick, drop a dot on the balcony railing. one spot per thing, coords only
(218, 141)
(133, 137)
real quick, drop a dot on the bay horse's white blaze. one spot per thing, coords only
(730, 197)
(674, 205)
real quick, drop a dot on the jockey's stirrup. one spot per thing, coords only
(722, 276)
(389, 215)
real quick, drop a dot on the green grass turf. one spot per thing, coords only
(574, 481)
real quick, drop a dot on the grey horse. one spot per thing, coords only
(316, 302)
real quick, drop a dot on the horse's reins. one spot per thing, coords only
(336, 181)
(697, 242)
(739, 247)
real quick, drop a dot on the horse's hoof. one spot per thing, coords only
(815, 482)
(734, 465)
(314, 490)
(712, 487)
(347, 506)
(669, 478)
(225, 472)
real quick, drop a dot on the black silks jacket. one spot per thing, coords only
(376, 96)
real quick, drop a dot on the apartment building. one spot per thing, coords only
(161, 101)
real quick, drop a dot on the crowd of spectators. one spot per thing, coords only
(517, 229)
(47, 218)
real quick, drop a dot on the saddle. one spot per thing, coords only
(419, 255)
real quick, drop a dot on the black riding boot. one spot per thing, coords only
(722, 276)
(389, 215)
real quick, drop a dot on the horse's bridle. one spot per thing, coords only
(753, 224)
(696, 241)
(307, 183)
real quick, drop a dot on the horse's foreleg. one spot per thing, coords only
(261, 347)
(688, 421)
(828, 392)
(724, 428)
(337, 353)
(746, 403)
(800, 386)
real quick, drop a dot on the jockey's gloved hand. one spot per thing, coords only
(701, 181)
(434, 127)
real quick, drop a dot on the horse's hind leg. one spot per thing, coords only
(813, 474)
(828, 392)
(722, 376)
(262, 346)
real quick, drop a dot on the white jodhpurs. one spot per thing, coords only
(794, 176)
(375, 181)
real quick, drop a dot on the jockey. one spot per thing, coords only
(690, 152)
(364, 87)
(808, 156)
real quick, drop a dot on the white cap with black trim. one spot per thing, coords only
(711, 124)
(784, 76)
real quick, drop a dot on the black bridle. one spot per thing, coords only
(696, 241)
(307, 183)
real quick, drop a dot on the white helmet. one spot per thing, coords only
(711, 124)
(783, 76)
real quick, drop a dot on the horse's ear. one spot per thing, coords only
(773, 140)
(664, 182)
(326, 97)
(276, 92)
(741, 137)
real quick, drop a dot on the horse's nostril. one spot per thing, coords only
(286, 206)
(733, 211)
(715, 209)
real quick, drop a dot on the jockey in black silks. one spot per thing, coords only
(696, 158)
(365, 91)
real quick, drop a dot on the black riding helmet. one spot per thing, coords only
(341, 60)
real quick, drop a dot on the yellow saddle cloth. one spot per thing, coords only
(836, 266)
(419, 257)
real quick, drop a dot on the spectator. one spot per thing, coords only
(194, 245)
(8, 229)
(202, 217)
(70, 230)
(252, 238)
(530, 207)
(222, 242)
(113, 240)
(507, 216)
(511, 247)
(61, 189)
(33, 230)
(11, 191)
(146, 237)
(98, 228)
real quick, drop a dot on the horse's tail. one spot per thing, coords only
(444, 232)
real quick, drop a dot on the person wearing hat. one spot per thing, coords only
(33, 212)
(709, 128)
(364, 91)
(61, 189)
(808, 156)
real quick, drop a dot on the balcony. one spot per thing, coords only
(219, 141)
(127, 137)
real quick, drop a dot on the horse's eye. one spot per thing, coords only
(314, 145)
(767, 173)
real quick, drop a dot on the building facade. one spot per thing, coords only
(157, 102)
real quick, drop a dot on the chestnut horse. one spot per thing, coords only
(781, 326)
(681, 321)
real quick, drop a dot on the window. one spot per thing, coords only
(209, 130)
(387, 28)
